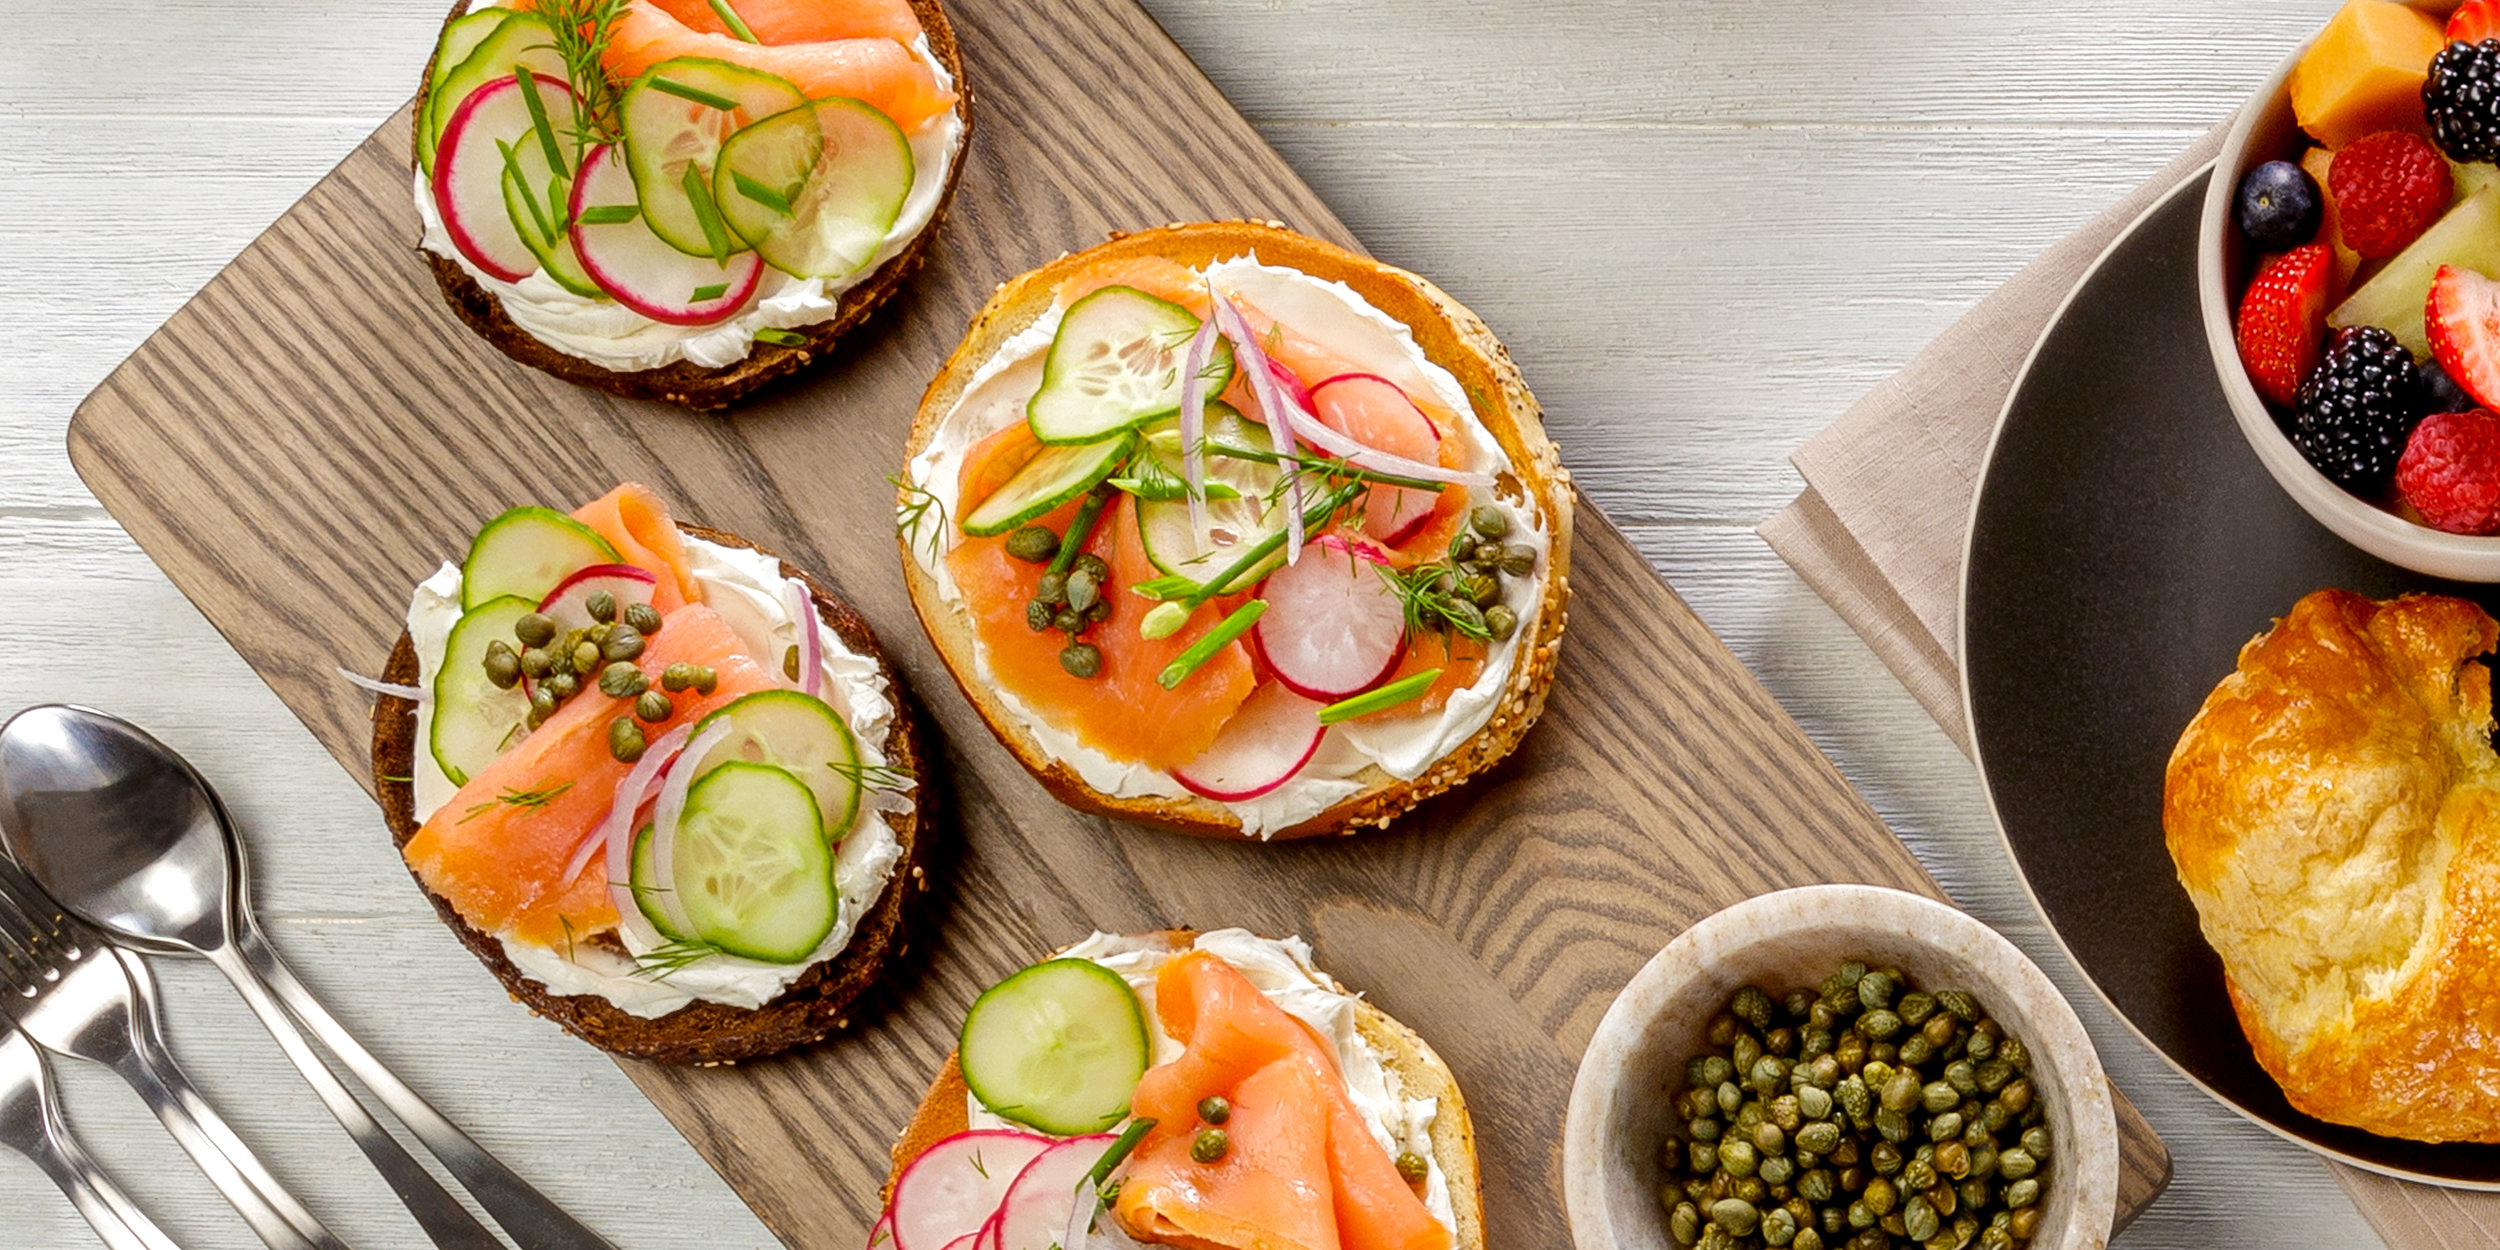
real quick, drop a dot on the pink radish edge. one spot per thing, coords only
(1263, 746)
(1290, 611)
(1035, 1213)
(956, 1185)
(463, 232)
(1409, 510)
(742, 275)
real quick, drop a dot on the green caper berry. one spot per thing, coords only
(1768, 1072)
(1885, 1052)
(625, 740)
(2016, 1096)
(1462, 545)
(1996, 1238)
(1807, 1239)
(1875, 990)
(1705, 1157)
(1519, 560)
(1879, 1024)
(1946, 1127)
(1918, 1173)
(622, 681)
(643, 617)
(563, 685)
(1080, 659)
(1488, 521)
(1752, 1006)
(1940, 1030)
(1953, 1159)
(503, 667)
(1778, 1227)
(1209, 1145)
(1919, 1220)
(1939, 1098)
(1068, 621)
(1818, 1185)
(1885, 1158)
(1855, 1099)
(1714, 1237)
(654, 706)
(1993, 1074)
(1816, 1042)
(2016, 1163)
(1693, 1070)
(1785, 1112)
(1735, 1215)
(1915, 1007)
(676, 677)
(1962, 1076)
(1033, 544)
(1730, 1097)
(1215, 1109)
(2025, 1222)
(1975, 1130)
(2022, 1193)
(1083, 591)
(1704, 1129)
(534, 630)
(601, 605)
(2014, 1052)
(624, 642)
(536, 663)
(1894, 1126)
(1768, 1139)
(1880, 1197)
(1092, 566)
(1737, 1157)
(1915, 1051)
(1820, 1137)
(1777, 1170)
(1480, 590)
(2036, 1140)
(598, 633)
(706, 679)
(1746, 1052)
(585, 656)
(1038, 616)
(1717, 1071)
(1747, 1116)
(1052, 589)
(1983, 1047)
(1412, 1168)
(543, 701)
(1901, 1091)
(1861, 1216)
(1814, 1103)
(1684, 1224)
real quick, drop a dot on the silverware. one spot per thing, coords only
(30, 1124)
(76, 995)
(129, 835)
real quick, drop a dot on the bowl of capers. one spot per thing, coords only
(1840, 1067)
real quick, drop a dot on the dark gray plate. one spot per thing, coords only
(2125, 545)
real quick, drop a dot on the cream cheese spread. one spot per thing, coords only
(1372, 342)
(612, 336)
(746, 588)
(1282, 969)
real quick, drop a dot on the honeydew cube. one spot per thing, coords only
(2468, 237)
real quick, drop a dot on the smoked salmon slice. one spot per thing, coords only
(1301, 1170)
(803, 21)
(636, 522)
(497, 851)
(1122, 711)
(880, 73)
(993, 462)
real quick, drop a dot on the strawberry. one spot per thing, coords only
(2283, 319)
(2450, 472)
(2462, 320)
(2475, 22)
(2388, 187)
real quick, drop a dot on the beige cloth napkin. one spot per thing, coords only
(1879, 531)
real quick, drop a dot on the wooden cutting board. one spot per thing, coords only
(310, 435)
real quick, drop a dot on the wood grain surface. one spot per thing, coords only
(294, 497)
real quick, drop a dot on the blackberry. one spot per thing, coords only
(2442, 391)
(2462, 100)
(2357, 408)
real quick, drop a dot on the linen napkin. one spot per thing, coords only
(1878, 532)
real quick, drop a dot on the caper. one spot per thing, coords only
(2022, 1193)
(536, 663)
(1880, 1197)
(1746, 1052)
(1209, 1145)
(1894, 1126)
(1715, 1070)
(1915, 1007)
(1083, 590)
(534, 629)
(2036, 1140)
(1214, 1108)
(1983, 1046)
(1039, 616)
(1467, 616)
(1776, 1170)
(1480, 589)
(1879, 1024)
(503, 667)
(1080, 659)
(1489, 521)
(1939, 1098)
(1807, 1239)
(1519, 560)
(1735, 1215)
(706, 680)
(585, 656)
(1861, 1216)
(1901, 1092)
(625, 740)
(1068, 621)
(1033, 544)
(564, 685)
(1875, 990)
(1820, 1137)
(1855, 1099)
(1919, 1173)
(676, 677)
(1940, 1030)
(1737, 1157)
(598, 633)
(1814, 1103)
(542, 702)
(1704, 1129)
(1768, 1072)
(654, 706)
(1052, 589)
(1915, 1051)
(2014, 1052)
(643, 617)
(1684, 1224)
(1983, 1161)
(1768, 1139)
(2016, 1096)
(622, 681)
(2016, 1163)
(1993, 1074)
(1785, 1113)
(1752, 1006)
(1953, 1159)
(1945, 1127)
(1462, 545)
(1996, 1238)
(601, 605)
(624, 642)
(1411, 1167)
(2025, 1222)
(1705, 1157)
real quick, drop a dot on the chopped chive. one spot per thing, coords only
(558, 198)
(1314, 517)
(1388, 696)
(1212, 641)
(780, 338)
(715, 234)
(1118, 1152)
(610, 214)
(696, 94)
(760, 193)
(729, 18)
(714, 291)
(1167, 587)
(512, 183)
(1328, 466)
(538, 121)
(1080, 532)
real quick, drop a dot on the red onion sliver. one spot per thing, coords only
(1194, 424)
(615, 835)
(664, 821)
(811, 659)
(359, 680)
(1248, 355)
(1293, 421)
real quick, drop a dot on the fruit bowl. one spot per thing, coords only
(2266, 130)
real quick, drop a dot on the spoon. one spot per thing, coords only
(126, 833)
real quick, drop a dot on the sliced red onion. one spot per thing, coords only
(615, 834)
(1194, 424)
(811, 658)
(1272, 400)
(411, 693)
(1288, 420)
(664, 818)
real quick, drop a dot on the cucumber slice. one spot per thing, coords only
(520, 40)
(526, 552)
(539, 199)
(461, 36)
(1116, 363)
(1057, 1047)
(801, 733)
(646, 885)
(1163, 527)
(831, 178)
(474, 721)
(1048, 480)
(672, 142)
(751, 866)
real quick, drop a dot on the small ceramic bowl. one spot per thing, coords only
(2265, 131)
(1635, 1064)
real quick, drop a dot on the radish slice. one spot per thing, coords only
(1372, 411)
(1039, 1205)
(971, 1239)
(1267, 741)
(954, 1187)
(468, 173)
(802, 612)
(639, 268)
(1333, 627)
(569, 603)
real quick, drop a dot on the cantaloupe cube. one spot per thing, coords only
(2330, 225)
(2365, 72)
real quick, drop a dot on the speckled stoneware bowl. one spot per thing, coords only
(1635, 1063)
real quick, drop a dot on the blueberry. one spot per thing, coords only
(2446, 395)
(2279, 206)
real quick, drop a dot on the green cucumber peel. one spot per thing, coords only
(1203, 650)
(1403, 690)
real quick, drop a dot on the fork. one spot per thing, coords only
(30, 1124)
(75, 994)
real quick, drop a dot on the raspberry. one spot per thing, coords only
(2450, 472)
(2389, 187)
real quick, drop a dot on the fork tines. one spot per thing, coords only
(36, 934)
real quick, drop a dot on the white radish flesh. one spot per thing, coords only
(1039, 1205)
(955, 1186)
(568, 605)
(1270, 737)
(638, 267)
(1334, 628)
(468, 172)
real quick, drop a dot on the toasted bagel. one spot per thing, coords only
(944, 1109)
(1450, 336)
(702, 1033)
(684, 382)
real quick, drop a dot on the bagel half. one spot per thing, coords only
(1450, 336)
(944, 1109)
(704, 1033)
(683, 382)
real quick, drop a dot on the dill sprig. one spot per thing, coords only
(1428, 594)
(583, 28)
(539, 797)
(912, 510)
(662, 962)
(873, 776)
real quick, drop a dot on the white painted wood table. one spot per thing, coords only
(1703, 226)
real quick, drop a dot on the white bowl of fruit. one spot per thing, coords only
(2349, 269)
